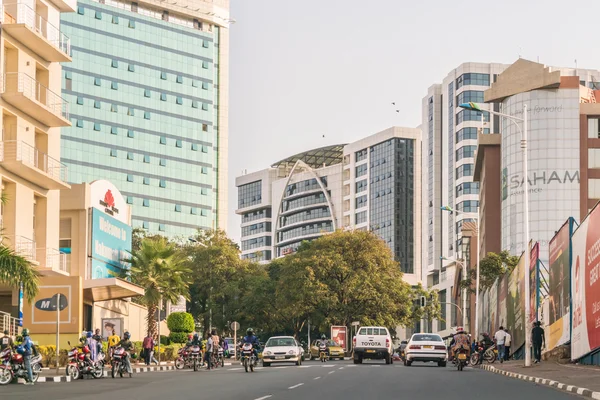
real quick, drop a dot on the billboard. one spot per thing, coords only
(111, 242)
(493, 307)
(516, 304)
(502, 300)
(585, 286)
(339, 335)
(559, 309)
(533, 284)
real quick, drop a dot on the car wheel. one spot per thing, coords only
(442, 364)
(408, 363)
(388, 359)
(266, 364)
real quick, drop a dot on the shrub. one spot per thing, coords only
(164, 340)
(181, 322)
(178, 337)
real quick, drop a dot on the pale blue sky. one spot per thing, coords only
(304, 69)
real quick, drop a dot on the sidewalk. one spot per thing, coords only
(580, 379)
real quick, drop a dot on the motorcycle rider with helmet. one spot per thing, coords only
(27, 347)
(127, 345)
(460, 340)
(486, 343)
(324, 341)
(253, 340)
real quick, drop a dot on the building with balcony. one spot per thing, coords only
(368, 184)
(32, 113)
(148, 88)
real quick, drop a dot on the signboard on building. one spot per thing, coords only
(339, 335)
(105, 197)
(559, 296)
(110, 244)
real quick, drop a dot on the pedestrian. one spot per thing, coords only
(112, 342)
(500, 337)
(209, 350)
(98, 338)
(538, 339)
(148, 346)
(6, 341)
(27, 347)
(507, 343)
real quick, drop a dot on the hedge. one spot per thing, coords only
(181, 322)
(178, 337)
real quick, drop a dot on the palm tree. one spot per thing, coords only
(160, 268)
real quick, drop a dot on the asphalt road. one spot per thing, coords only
(332, 380)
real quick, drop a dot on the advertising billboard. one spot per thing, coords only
(111, 242)
(493, 310)
(516, 304)
(339, 335)
(502, 297)
(559, 309)
(585, 286)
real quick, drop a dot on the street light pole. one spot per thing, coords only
(464, 309)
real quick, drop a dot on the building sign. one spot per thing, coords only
(538, 180)
(105, 197)
(339, 335)
(179, 306)
(111, 243)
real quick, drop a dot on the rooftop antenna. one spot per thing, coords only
(575, 67)
(520, 51)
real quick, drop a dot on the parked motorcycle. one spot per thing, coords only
(248, 358)
(12, 366)
(118, 362)
(81, 364)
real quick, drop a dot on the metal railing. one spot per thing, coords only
(52, 259)
(20, 82)
(17, 150)
(9, 323)
(21, 245)
(21, 13)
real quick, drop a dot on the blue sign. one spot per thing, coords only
(111, 242)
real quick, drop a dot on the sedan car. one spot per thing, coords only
(281, 349)
(335, 350)
(426, 347)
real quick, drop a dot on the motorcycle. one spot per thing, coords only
(183, 358)
(195, 356)
(461, 359)
(12, 365)
(80, 364)
(490, 354)
(323, 352)
(118, 362)
(220, 357)
(248, 358)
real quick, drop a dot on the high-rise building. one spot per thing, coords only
(33, 112)
(149, 92)
(369, 184)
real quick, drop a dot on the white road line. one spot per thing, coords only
(318, 377)
(264, 397)
(235, 369)
(341, 368)
(331, 372)
(305, 366)
(376, 366)
(351, 366)
(328, 366)
(295, 386)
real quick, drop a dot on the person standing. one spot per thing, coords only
(538, 339)
(209, 351)
(500, 337)
(92, 345)
(148, 346)
(6, 341)
(27, 349)
(112, 342)
(98, 338)
(507, 343)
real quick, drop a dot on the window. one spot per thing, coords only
(178, 143)
(96, 126)
(361, 186)
(79, 100)
(146, 114)
(594, 161)
(131, 68)
(114, 130)
(146, 203)
(204, 191)
(179, 79)
(146, 225)
(79, 123)
(97, 81)
(204, 149)
(129, 178)
(194, 147)
(161, 227)
(129, 200)
(68, 75)
(468, 134)
(205, 85)
(146, 158)
(194, 83)
(361, 170)
(131, 111)
(114, 108)
(471, 115)
(113, 152)
(132, 24)
(475, 96)
(179, 100)
(468, 206)
(146, 180)
(361, 201)
(194, 103)
(162, 162)
(80, 10)
(163, 75)
(203, 212)
(467, 188)
(205, 44)
(205, 64)
(204, 127)
(360, 155)
(97, 104)
(204, 170)
(114, 85)
(249, 194)
(98, 15)
(193, 210)
(473, 79)
(594, 128)
(177, 207)
(205, 106)
(114, 64)
(163, 140)
(360, 217)
(146, 92)
(130, 133)
(115, 19)
(129, 155)
(465, 152)
(464, 170)
(163, 97)
(162, 183)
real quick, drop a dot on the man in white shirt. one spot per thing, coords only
(500, 338)
(507, 343)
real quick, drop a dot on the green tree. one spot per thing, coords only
(160, 268)
(492, 267)
(432, 309)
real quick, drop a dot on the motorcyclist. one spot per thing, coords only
(253, 340)
(92, 345)
(485, 343)
(127, 345)
(6, 341)
(323, 341)
(27, 347)
(460, 340)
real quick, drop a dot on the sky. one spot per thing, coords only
(303, 69)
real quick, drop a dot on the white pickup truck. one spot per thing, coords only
(373, 342)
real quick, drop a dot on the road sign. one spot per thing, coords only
(355, 323)
(235, 325)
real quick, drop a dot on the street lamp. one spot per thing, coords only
(464, 268)
(474, 216)
(523, 132)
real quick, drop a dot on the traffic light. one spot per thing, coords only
(423, 301)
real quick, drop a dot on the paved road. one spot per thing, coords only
(333, 380)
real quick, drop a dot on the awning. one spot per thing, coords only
(110, 289)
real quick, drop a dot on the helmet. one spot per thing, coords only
(195, 336)
(89, 334)
(459, 329)
(323, 337)
(190, 336)
(249, 332)
(84, 334)
(485, 334)
(25, 332)
(127, 335)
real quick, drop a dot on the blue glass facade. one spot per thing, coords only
(144, 93)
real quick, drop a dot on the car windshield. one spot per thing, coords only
(427, 338)
(278, 342)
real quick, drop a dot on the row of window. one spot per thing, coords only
(472, 78)
(161, 183)
(163, 96)
(131, 68)
(468, 96)
(360, 217)
(469, 133)
(254, 215)
(177, 208)
(464, 170)
(307, 215)
(361, 201)
(303, 201)
(360, 155)
(161, 161)
(467, 188)
(310, 229)
(305, 186)
(471, 115)
(381, 193)
(250, 194)
(361, 170)
(361, 186)
(467, 206)
(258, 256)
(256, 228)
(381, 177)
(465, 152)
(256, 242)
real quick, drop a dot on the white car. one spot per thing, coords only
(426, 347)
(373, 343)
(282, 349)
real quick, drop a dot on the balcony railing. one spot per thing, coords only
(21, 245)
(52, 259)
(20, 82)
(9, 323)
(17, 150)
(21, 13)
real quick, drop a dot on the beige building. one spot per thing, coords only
(32, 110)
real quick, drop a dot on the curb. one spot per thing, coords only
(63, 379)
(542, 381)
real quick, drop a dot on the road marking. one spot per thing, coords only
(351, 366)
(331, 372)
(295, 386)
(318, 377)
(305, 366)
(264, 397)
(341, 368)
(328, 366)
(235, 369)
(376, 366)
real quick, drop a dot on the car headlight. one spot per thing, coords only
(267, 353)
(292, 352)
